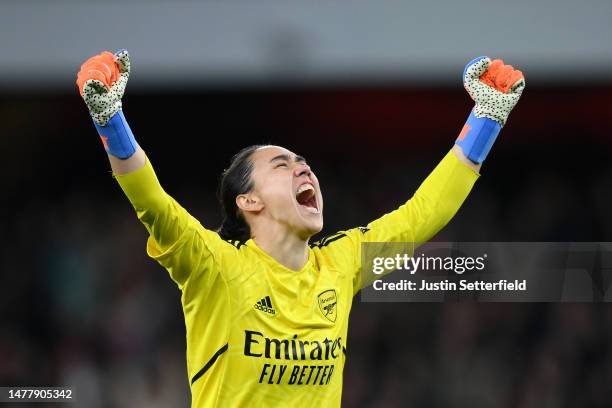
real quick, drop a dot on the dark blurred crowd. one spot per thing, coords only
(81, 304)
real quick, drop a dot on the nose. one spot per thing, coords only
(302, 169)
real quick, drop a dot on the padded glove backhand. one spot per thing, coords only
(102, 80)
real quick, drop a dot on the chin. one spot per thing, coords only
(315, 227)
(315, 230)
(311, 228)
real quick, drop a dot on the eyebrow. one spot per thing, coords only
(285, 157)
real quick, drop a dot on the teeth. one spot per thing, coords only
(312, 210)
(305, 187)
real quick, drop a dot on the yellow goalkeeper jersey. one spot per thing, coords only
(259, 334)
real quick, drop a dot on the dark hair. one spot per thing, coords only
(235, 180)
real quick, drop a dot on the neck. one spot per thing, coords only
(284, 246)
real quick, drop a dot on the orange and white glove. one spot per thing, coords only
(495, 89)
(102, 80)
(494, 86)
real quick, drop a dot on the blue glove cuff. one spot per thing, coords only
(477, 137)
(117, 136)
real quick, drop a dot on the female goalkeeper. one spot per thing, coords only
(266, 311)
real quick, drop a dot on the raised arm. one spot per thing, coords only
(495, 89)
(177, 240)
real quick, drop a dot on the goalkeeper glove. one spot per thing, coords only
(101, 81)
(495, 88)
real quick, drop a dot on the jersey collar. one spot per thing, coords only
(277, 265)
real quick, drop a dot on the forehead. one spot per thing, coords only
(267, 153)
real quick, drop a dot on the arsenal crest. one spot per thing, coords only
(327, 304)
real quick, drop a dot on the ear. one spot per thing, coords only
(249, 202)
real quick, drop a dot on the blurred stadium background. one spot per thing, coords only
(370, 93)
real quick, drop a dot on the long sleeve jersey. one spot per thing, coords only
(258, 333)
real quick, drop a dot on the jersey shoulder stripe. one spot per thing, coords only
(327, 240)
(334, 237)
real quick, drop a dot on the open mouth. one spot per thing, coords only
(307, 198)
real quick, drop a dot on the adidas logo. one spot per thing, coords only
(265, 305)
